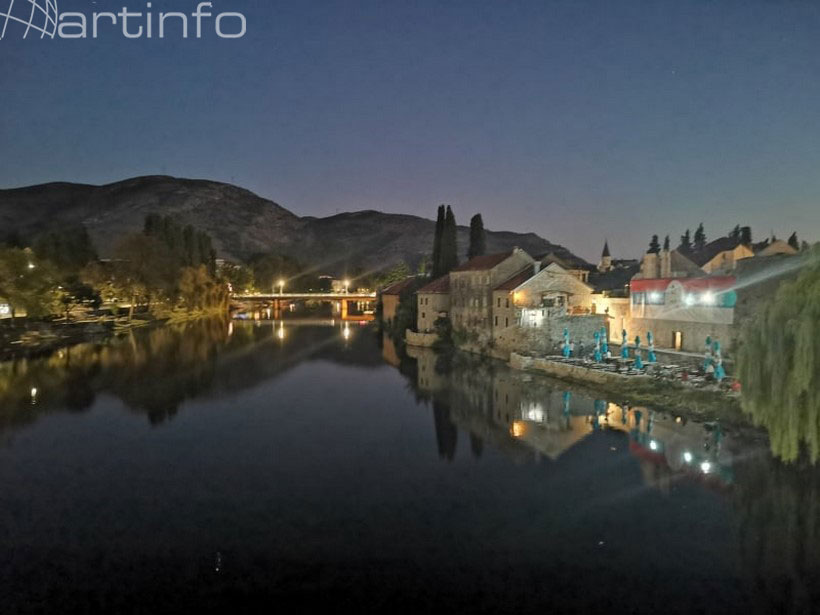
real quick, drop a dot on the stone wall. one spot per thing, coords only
(545, 339)
(425, 340)
(694, 333)
(431, 306)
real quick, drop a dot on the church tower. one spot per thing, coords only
(606, 259)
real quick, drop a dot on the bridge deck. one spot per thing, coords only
(314, 296)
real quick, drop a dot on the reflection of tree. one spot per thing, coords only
(778, 524)
(153, 371)
(476, 445)
(446, 432)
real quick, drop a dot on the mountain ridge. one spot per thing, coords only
(240, 222)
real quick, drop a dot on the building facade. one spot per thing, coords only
(433, 303)
(471, 289)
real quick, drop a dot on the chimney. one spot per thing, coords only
(536, 267)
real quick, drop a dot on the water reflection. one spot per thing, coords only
(531, 419)
(154, 371)
(308, 457)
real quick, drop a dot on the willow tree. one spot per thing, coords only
(779, 365)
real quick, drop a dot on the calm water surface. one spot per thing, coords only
(228, 467)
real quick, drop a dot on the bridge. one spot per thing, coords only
(342, 301)
(349, 296)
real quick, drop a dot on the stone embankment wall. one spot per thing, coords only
(566, 371)
(545, 340)
(425, 340)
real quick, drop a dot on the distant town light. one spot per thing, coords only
(689, 300)
(706, 467)
(31, 265)
(708, 298)
(518, 429)
(687, 457)
(654, 296)
(33, 395)
(653, 445)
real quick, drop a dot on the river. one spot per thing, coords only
(224, 466)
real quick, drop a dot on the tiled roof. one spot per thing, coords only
(615, 279)
(396, 287)
(711, 250)
(484, 262)
(438, 286)
(517, 280)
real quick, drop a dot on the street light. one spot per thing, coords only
(347, 284)
(281, 286)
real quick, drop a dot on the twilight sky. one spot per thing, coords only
(576, 120)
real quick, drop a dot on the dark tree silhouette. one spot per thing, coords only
(700, 237)
(437, 239)
(478, 239)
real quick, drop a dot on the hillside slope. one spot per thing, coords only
(240, 222)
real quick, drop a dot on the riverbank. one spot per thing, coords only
(706, 403)
(33, 339)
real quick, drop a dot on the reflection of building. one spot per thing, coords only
(528, 418)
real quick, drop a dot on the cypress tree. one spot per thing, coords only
(700, 237)
(449, 243)
(666, 244)
(478, 239)
(437, 239)
(686, 241)
(654, 246)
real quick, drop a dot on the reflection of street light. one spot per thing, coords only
(281, 333)
(346, 332)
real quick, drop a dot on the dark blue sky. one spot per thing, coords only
(576, 120)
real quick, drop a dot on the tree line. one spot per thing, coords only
(698, 241)
(165, 267)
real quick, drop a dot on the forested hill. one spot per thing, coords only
(240, 222)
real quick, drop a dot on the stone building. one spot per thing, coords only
(720, 255)
(681, 313)
(434, 301)
(390, 298)
(471, 290)
(534, 295)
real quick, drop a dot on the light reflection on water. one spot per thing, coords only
(218, 463)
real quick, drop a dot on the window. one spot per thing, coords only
(496, 321)
(506, 322)
(424, 315)
(507, 302)
(499, 302)
(677, 340)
